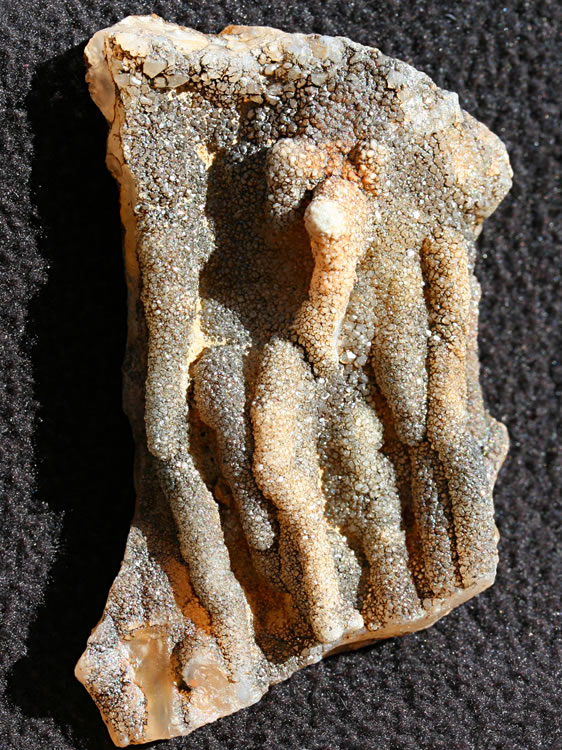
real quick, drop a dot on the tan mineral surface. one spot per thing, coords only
(314, 465)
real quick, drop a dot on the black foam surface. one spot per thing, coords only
(485, 678)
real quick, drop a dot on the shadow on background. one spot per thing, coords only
(83, 444)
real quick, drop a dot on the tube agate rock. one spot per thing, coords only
(314, 465)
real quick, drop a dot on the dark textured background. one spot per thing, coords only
(483, 678)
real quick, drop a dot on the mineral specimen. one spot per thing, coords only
(314, 463)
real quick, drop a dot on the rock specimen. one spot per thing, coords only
(314, 463)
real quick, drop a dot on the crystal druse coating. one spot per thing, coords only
(314, 462)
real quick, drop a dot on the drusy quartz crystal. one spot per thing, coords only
(314, 464)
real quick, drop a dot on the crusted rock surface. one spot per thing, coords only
(314, 464)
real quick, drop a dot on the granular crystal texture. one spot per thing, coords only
(314, 465)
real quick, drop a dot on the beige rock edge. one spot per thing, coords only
(314, 464)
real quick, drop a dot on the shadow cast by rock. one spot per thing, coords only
(83, 444)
